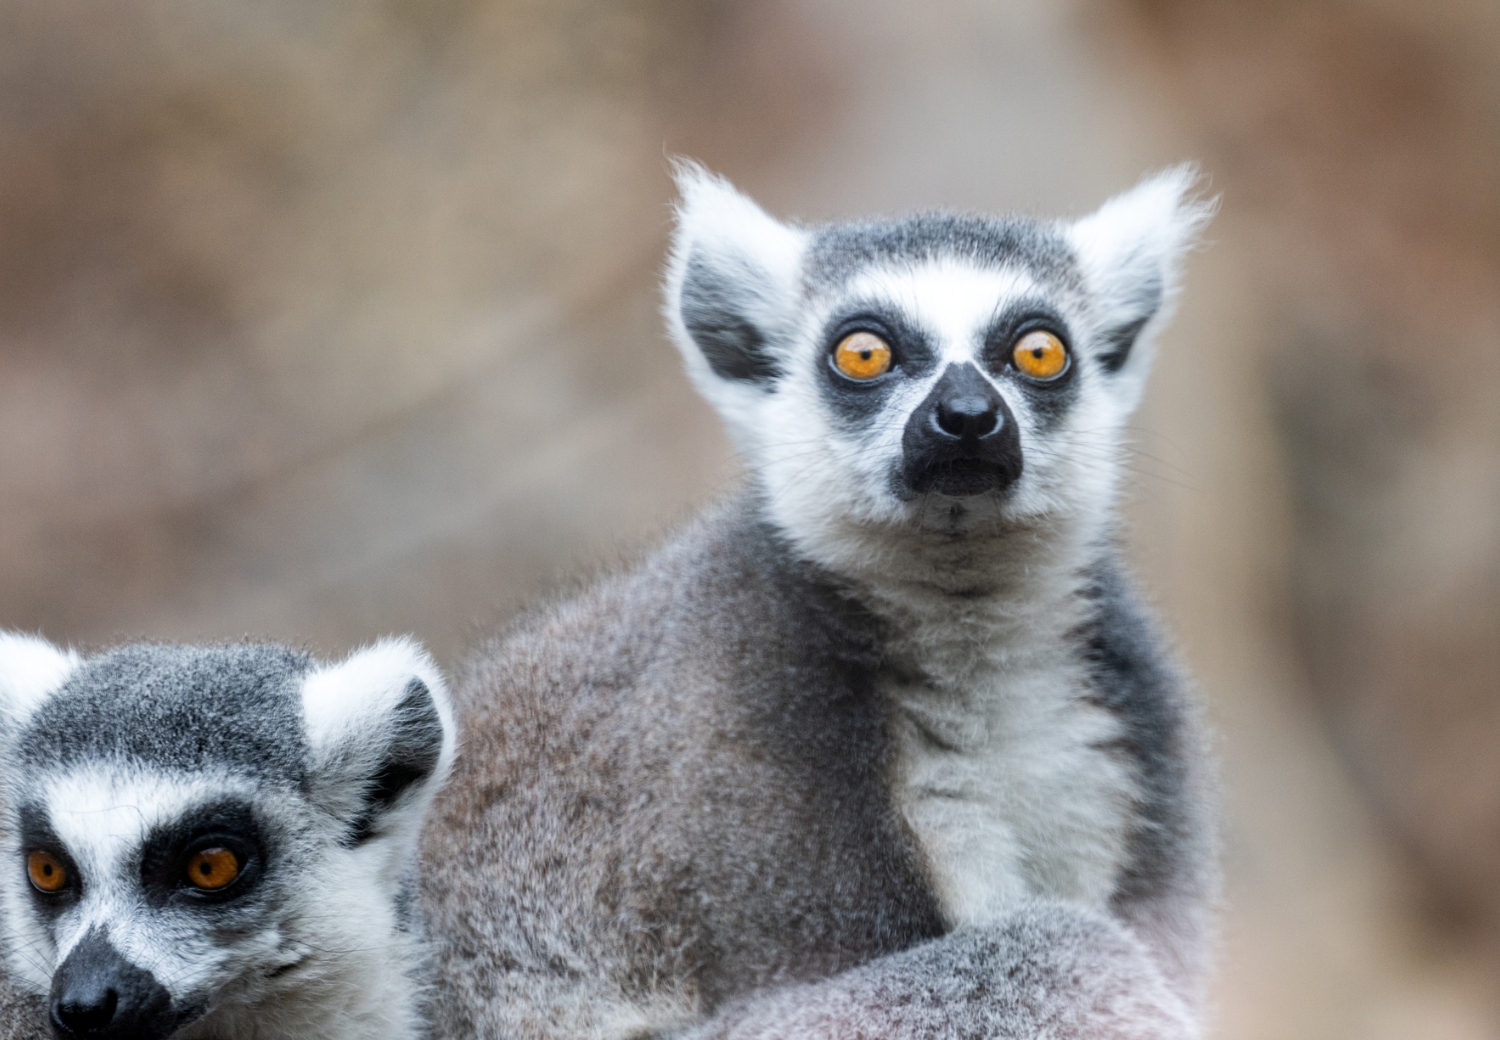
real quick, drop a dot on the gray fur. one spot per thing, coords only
(650, 833)
(1169, 888)
(23, 1015)
(838, 251)
(851, 755)
(1047, 971)
(672, 805)
(251, 724)
(315, 776)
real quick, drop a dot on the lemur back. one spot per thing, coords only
(886, 744)
(215, 841)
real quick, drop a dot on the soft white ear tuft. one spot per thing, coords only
(1131, 252)
(380, 732)
(731, 284)
(31, 670)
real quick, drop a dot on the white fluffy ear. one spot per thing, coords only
(31, 670)
(731, 288)
(381, 736)
(1131, 251)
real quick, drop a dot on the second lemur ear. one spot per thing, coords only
(381, 737)
(1131, 251)
(31, 670)
(731, 284)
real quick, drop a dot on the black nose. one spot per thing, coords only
(87, 1010)
(961, 440)
(968, 415)
(99, 995)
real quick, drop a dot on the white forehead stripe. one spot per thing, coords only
(102, 813)
(948, 299)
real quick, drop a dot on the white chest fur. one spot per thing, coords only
(1004, 768)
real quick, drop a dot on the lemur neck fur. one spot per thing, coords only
(1000, 762)
(991, 587)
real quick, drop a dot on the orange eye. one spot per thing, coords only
(1040, 355)
(46, 871)
(862, 355)
(212, 869)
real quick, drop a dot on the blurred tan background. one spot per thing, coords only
(322, 319)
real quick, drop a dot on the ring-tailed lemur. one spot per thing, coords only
(886, 746)
(215, 841)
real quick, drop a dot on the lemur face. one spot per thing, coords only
(946, 373)
(189, 832)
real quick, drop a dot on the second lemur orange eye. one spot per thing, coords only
(46, 872)
(212, 869)
(1040, 355)
(862, 355)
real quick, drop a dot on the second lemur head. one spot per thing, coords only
(216, 840)
(895, 382)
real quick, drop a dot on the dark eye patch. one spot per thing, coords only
(230, 825)
(1050, 400)
(857, 402)
(36, 832)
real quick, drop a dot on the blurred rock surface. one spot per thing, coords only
(1364, 139)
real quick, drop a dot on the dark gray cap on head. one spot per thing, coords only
(234, 706)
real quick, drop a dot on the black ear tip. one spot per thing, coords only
(717, 310)
(415, 748)
(1118, 343)
(417, 729)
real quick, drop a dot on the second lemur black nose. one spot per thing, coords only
(98, 995)
(87, 1012)
(968, 416)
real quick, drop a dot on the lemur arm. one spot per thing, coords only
(1047, 971)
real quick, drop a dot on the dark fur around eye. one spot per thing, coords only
(229, 825)
(1050, 400)
(36, 834)
(857, 402)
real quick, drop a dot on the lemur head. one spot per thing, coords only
(189, 834)
(933, 376)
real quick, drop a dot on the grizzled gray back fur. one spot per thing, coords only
(120, 772)
(645, 844)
